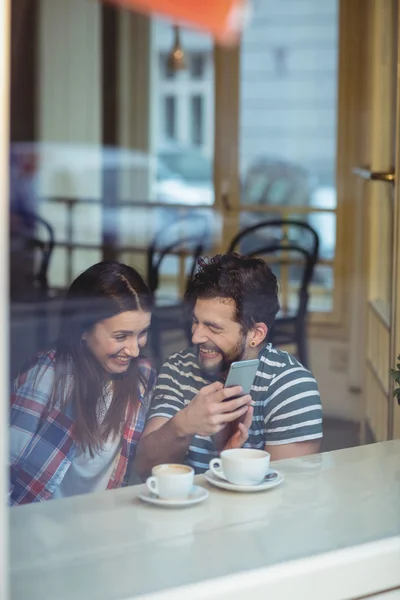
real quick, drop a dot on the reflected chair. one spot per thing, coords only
(170, 313)
(273, 182)
(292, 248)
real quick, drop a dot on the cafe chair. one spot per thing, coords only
(291, 249)
(31, 246)
(170, 313)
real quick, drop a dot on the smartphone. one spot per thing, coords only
(242, 373)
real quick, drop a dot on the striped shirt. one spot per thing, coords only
(287, 404)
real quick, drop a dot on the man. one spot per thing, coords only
(234, 300)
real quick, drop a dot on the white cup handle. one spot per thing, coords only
(151, 483)
(216, 468)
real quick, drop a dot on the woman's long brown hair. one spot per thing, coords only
(102, 291)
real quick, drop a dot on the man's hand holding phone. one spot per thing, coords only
(240, 373)
(241, 433)
(211, 409)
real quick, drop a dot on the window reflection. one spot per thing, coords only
(288, 86)
(121, 161)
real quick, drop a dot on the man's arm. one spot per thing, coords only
(30, 394)
(293, 450)
(162, 441)
(166, 440)
(293, 415)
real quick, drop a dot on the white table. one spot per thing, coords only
(110, 545)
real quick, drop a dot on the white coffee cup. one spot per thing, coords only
(171, 481)
(241, 466)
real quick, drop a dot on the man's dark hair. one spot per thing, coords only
(248, 281)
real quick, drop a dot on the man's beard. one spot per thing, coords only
(218, 371)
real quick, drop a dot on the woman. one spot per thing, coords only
(78, 410)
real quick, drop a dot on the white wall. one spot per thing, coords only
(333, 379)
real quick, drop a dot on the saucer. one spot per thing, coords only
(197, 494)
(259, 487)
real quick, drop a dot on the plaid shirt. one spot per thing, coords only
(41, 450)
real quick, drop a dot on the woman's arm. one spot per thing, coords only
(30, 394)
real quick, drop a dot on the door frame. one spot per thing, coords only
(378, 315)
(394, 424)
